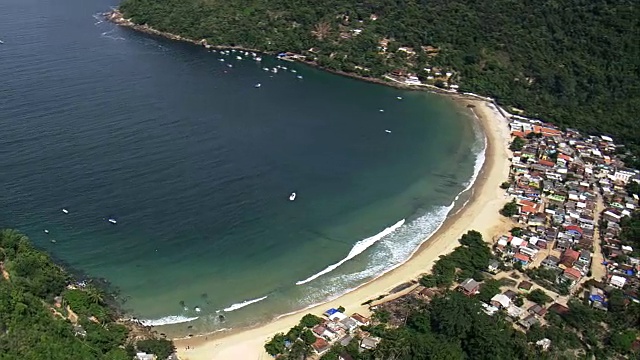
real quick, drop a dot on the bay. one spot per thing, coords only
(196, 164)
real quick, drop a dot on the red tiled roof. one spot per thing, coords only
(546, 163)
(573, 273)
(522, 257)
(529, 209)
(518, 134)
(564, 157)
(574, 228)
(570, 253)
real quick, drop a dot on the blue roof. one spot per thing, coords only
(331, 311)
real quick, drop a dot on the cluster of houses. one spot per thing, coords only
(566, 186)
(340, 328)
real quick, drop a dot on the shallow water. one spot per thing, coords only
(196, 164)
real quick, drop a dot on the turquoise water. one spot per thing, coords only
(196, 165)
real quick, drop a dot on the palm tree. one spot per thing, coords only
(94, 294)
(321, 30)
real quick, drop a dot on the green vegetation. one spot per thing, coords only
(505, 185)
(539, 297)
(310, 321)
(573, 64)
(299, 338)
(517, 144)
(509, 209)
(33, 327)
(472, 256)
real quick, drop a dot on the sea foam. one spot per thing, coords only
(357, 249)
(243, 304)
(168, 320)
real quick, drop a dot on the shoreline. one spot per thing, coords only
(482, 208)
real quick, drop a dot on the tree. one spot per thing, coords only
(308, 337)
(162, 348)
(275, 346)
(488, 289)
(539, 296)
(517, 144)
(509, 209)
(310, 320)
(505, 185)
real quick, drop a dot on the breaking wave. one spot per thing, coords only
(168, 320)
(358, 248)
(243, 304)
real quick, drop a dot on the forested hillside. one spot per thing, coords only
(41, 319)
(575, 63)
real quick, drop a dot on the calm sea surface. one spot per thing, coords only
(196, 164)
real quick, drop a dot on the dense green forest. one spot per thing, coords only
(574, 63)
(33, 327)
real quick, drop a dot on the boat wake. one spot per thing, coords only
(168, 320)
(357, 249)
(243, 304)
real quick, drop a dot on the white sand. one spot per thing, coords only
(481, 214)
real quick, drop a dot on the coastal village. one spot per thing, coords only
(566, 197)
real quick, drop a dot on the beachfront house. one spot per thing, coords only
(369, 342)
(469, 287)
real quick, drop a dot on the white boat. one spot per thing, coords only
(46, 231)
(388, 131)
(238, 57)
(399, 98)
(292, 196)
(258, 58)
(221, 59)
(299, 76)
(1, 42)
(257, 85)
(229, 65)
(274, 70)
(65, 211)
(265, 69)
(113, 221)
(381, 110)
(197, 309)
(293, 71)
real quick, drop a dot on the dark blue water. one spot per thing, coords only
(196, 165)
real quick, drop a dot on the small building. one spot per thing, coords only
(494, 267)
(571, 275)
(361, 320)
(320, 346)
(558, 309)
(369, 342)
(344, 356)
(145, 356)
(617, 281)
(349, 324)
(537, 310)
(585, 257)
(522, 259)
(544, 344)
(528, 322)
(551, 262)
(525, 286)
(500, 301)
(469, 287)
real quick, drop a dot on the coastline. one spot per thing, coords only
(483, 205)
(480, 213)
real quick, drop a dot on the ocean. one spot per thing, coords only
(195, 164)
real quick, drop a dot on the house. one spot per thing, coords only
(469, 287)
(510, 294)
(525, 286)
(145, 356)
(569, 257)
(320, 346)
(494, 267)
(544, 343)
(585, 257)
(528, 322)
(344, 356)
(500, 301)
(322, 331)
(558, 309)
(537, 310)
(617, 281)
(369, 342)
(570, 275)
(550, 262)
(597, 298)
(349, 324)
(361, 320)
(522, 259)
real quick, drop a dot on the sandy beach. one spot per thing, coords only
(481, 214)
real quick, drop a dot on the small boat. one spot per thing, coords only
(113, 221)
(230, 65)
(53, 241)
(65, 211)
(381, 110)
(220, 59)
(257, 85)
(399, 98)
(292, 196)
(293, 71)
(197, 309)
(274, 70)
(265, 69)
(238, 58)
(46, 231)
(258, 58)
(388, 131)
(1, 42)
(299, 77)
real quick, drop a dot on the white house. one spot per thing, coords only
(617, 281)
